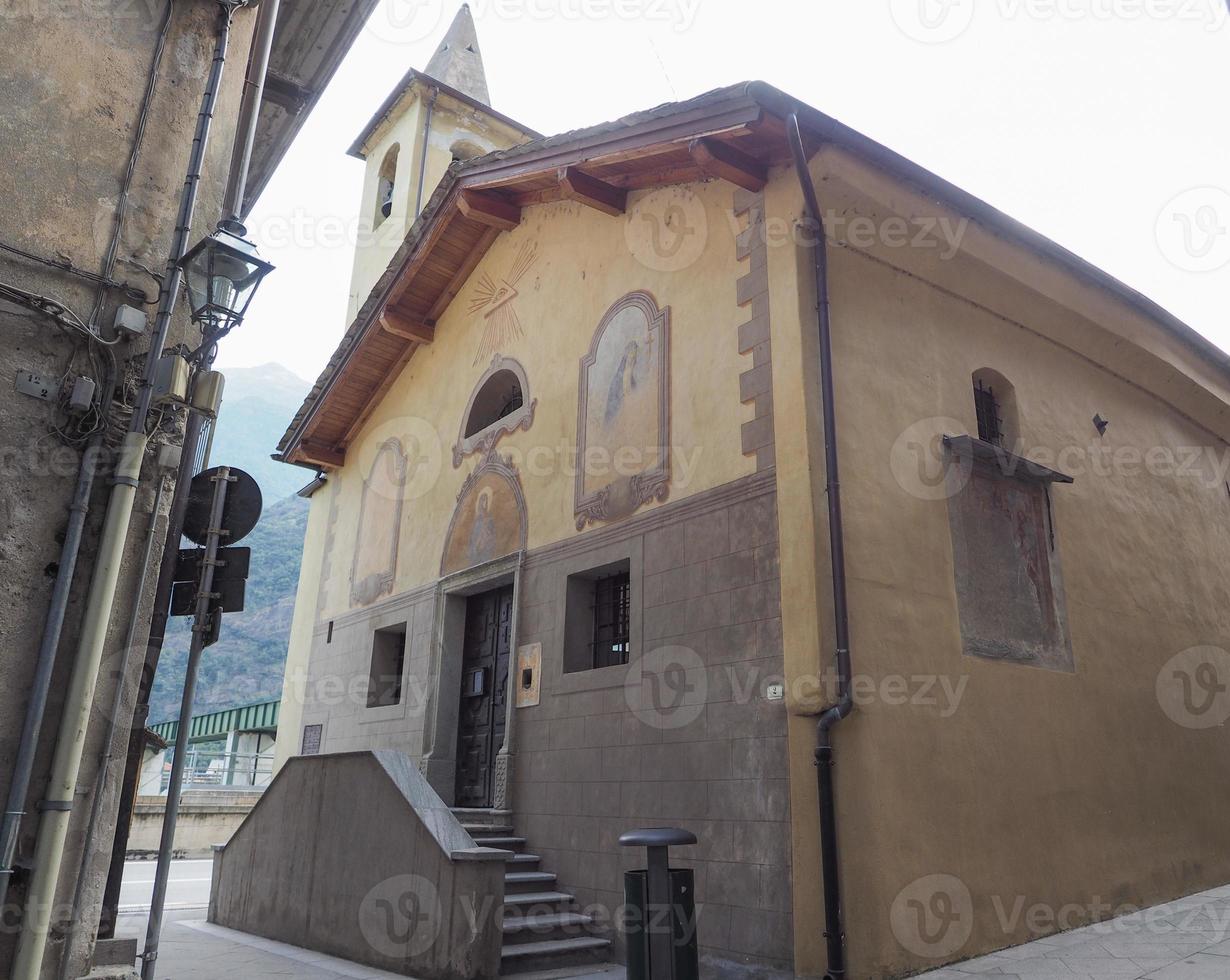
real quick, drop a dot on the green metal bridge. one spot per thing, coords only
(260, 716)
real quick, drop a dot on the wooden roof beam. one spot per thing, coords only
(720, 159)
(320, 454)
(488, 209)
(402, 326)
(592, 192)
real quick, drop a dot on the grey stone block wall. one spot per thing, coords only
(336, 692)
(596, 758)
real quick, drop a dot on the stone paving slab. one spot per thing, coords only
(1187, 939)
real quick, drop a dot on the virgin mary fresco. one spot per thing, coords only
(487, 522)
(622, 398)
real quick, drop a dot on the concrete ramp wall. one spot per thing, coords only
(356, 856)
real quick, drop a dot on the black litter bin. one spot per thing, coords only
(660, 910)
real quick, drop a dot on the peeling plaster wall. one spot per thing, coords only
(71, 81)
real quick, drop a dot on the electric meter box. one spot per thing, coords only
(171, 378)
(207, 395)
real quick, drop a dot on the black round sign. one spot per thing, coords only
(240, 512)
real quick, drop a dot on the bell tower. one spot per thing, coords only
(431, 119)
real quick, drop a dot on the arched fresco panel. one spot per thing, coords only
(623, 420)
(375, 554)
(489, 520)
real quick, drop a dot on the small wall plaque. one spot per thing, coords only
(529, 675)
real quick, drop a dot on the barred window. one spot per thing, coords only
(990, 425)
(612, 622)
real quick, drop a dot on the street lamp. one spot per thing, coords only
(222, 272)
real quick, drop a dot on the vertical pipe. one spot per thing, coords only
(249, 110)
(834, 928)
(23, 764)
(200, 626)
(70, 743)
(418, 199)
(104, 762)
(159, 616)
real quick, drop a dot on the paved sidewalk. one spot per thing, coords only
(1187, 939)
(193, 949)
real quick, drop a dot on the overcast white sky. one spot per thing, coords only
(1101, 123)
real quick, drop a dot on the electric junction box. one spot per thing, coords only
(82, 396)
(129, 322)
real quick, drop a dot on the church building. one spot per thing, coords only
(577, 549)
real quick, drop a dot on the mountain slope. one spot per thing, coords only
(247, 662)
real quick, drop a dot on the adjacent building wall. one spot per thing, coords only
(71, 82)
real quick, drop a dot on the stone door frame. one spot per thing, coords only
(439, 762)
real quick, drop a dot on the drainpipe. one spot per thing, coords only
(834, 931)
(232, 210)
(74, 722)
(113, 724)
(418, 200)
(23, 765)
(249, 109)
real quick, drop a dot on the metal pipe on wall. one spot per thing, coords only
(249, 110)
(113, 724)
(36, 702)
(834, 929)
(233, 207)
(74, 722)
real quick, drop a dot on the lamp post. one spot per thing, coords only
(222, 272)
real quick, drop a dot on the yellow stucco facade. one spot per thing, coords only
(994, 784)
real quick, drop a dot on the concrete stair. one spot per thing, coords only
(542, 929)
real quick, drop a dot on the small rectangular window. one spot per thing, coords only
(598, 618)
(388, 662)
(612, 621)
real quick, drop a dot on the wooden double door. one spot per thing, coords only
(483, 711)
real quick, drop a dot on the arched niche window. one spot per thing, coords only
(499, 403)
(995, 407)
(384, 186)
(465, 150)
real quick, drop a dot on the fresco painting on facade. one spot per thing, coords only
(489, 521)
(375, 554)
(493, 301)
(623, 421)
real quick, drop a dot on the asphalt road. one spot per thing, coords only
(188, 887)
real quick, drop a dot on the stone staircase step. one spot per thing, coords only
(504, 843)
(521, 899)
(537, 927)
(520, 858)
(532, 922)
(482, 828)
(521, 957)
(529, 878)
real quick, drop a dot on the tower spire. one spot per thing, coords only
(457, 61)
